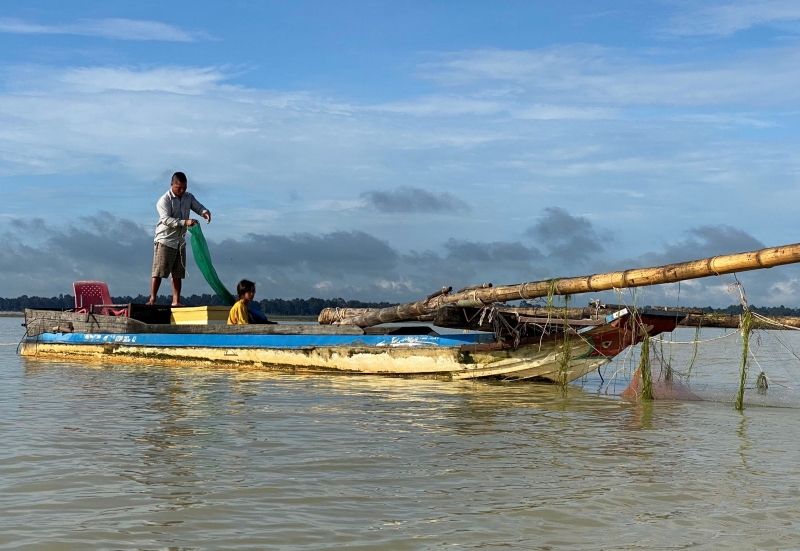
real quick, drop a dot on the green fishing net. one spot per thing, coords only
(203, 259)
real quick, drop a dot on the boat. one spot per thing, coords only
(469, 336)
(519, 347)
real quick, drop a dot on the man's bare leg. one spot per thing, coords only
(155, 283)
(176, 292)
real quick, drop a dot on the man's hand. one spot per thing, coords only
(207, 216)
(191, 222)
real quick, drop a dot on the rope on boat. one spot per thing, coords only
(769, 321)
(725, 336)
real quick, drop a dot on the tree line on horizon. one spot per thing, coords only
(300, 306)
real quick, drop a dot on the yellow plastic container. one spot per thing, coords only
(201, 315)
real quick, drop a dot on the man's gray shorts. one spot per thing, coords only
(167, 260)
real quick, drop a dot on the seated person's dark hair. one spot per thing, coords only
(179, 176)
(245, 286)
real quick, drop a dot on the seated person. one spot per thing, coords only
(240, 312)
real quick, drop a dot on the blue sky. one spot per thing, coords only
(380, 150)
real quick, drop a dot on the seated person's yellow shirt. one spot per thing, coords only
(238, 314)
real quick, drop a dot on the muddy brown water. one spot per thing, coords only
(111, 456)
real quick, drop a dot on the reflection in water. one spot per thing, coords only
(744, 442)
(643, 415)
(167, 461)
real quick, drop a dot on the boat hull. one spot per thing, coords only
(556, 356)
(447, 357)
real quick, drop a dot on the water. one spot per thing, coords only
(148, 457)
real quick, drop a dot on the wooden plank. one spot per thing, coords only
(50, 321)
(55, 321)
(270, 329)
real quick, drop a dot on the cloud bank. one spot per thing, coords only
(362, 266)
(571, 240)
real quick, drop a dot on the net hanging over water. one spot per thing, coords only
(203, 259)
(697, 363)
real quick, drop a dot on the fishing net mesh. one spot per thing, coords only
(697, 363)
(711, 369)
(203, 259)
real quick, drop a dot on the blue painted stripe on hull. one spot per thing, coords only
(263, 341)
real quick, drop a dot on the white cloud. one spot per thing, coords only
(114, 28)
(591, 77)
(176, 80)
(402, 285)
(442, 106)
(730, 119)
(729, 18)
(451, 105)
(67, 121)
(784, 292)
(324, 286)
(561, 112)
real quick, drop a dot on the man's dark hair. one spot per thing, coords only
(180, 176)
(245, 286)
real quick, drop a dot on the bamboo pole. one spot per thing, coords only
(337, 316)
(332, 316)
(732, 321)
(694, 316)
(638, 277)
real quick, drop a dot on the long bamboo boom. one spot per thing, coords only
(694, 316)
(638, 277)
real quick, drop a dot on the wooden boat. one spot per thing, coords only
(475, 339)
(527, 348)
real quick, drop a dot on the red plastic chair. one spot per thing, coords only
(89, 294)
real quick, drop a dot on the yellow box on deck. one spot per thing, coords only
(200, 315)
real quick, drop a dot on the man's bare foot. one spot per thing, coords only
(177, 304)
(151, 302)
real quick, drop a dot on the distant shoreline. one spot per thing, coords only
(6, 314)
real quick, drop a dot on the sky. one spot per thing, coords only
(379, 150)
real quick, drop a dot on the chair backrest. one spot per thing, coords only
(88, 293)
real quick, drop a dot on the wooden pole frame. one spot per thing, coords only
(637, 277)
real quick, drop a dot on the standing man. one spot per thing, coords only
(169, 255)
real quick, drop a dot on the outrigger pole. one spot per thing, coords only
(638, 277)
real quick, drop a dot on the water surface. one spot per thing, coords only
(104, 456)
